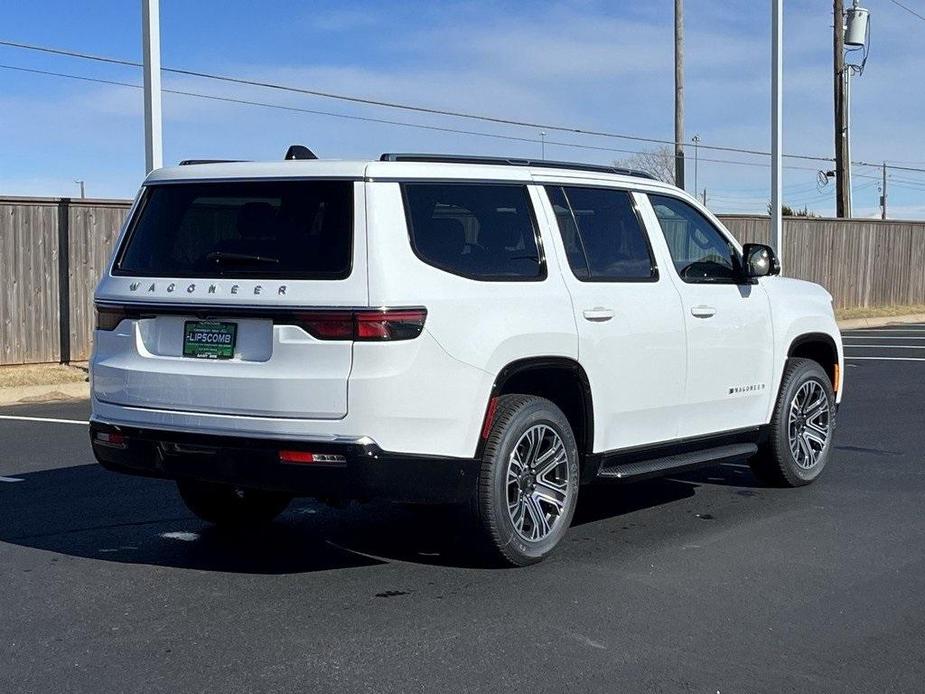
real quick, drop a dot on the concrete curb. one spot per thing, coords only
(853, 323)
(21, 395)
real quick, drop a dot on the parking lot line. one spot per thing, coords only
(888, 358)
(886, 346)
(911, 331)
(52, 420)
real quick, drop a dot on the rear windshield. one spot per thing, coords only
(267, 229)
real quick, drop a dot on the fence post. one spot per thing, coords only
(64, 280)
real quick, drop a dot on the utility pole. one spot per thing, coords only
(883, 195)
(777, 131)
(704, 197)
(679, 93)
(151, 50)
(842, 190)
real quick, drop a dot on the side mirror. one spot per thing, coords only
(759, 260)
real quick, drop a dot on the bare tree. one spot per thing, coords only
(658, 162)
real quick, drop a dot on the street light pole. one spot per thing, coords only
(777, 69)
(679, 93)
(696, 140)
(151, 49)
(81, 184)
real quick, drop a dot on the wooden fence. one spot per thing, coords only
(861, 262)
(52, 251)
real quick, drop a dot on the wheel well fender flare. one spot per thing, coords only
(522, 368)
(799, 346)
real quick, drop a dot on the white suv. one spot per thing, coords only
(440, 329)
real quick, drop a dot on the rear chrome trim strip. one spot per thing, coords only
(221, 431)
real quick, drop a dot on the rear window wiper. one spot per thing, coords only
(224, 257)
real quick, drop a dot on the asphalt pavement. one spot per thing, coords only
(706, 582)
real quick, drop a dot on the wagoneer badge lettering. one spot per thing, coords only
(212, 289)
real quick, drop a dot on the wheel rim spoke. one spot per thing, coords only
(553, 456)
(550, 495)
(541, 525)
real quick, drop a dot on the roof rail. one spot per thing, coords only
(511, 161)
(191, 162)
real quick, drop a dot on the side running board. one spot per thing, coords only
(656, 467)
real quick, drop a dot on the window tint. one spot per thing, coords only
(272, 229)
(699, 251)
(481, 230)
(602, 235)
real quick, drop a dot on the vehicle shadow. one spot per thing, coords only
(85, 511)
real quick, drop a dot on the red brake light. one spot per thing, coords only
(306, 458)
(327, 325)
(401, 324)
(366, 326)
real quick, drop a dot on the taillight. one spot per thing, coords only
(108, 317)
(399, 324)
(326, 325)
(366, 325)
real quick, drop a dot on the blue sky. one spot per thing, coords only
(602, 65)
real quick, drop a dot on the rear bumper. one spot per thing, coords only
(365, 472)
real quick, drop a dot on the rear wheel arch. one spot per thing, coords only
(560, 380)
(817, 347)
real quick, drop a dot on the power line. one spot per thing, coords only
(908, 9)
(369, 119)
(418, 109)
(391, 104)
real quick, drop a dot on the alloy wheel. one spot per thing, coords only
(809, 423)
(538, 489)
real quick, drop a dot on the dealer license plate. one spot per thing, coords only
(209, 339)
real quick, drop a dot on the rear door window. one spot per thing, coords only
(482, 231)
(603, 237)
(267, 229)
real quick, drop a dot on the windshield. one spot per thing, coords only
(268, 229)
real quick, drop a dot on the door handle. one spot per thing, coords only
(598, 314)
(703, 311)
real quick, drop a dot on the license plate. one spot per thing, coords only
(209, 339)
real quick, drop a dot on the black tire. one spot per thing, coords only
(514, 417)
(776, 464)
(229, 506)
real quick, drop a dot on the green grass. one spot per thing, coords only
(40, 375)
(878, 311)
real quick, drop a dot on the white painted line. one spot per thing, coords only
(10, 479)
(886, 346)
(869, 331)
(52, 420)
(889, 358)
(881, 337)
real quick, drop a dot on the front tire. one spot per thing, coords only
(800, 442)
(528, 484)
(229, 506)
